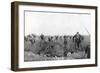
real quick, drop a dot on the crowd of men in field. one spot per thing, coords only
(59, 46)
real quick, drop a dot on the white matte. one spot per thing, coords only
(23, 64)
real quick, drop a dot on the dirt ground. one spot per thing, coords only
(29, 56)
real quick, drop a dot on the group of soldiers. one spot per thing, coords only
(48, 44)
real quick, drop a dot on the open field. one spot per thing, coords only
(55, 50)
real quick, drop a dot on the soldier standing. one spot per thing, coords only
(77, 39)
(65, 46)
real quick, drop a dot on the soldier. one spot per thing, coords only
(42, 44)
(42, 37)
(25, 38)
(65, 40)
(87, 51)
(65, 45)
(77, 38)
(56, 37)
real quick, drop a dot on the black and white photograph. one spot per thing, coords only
(56, 35)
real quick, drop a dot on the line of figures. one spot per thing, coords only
(59, 46)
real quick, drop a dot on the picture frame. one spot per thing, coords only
(46, 20)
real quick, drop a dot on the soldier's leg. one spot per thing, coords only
(78, 44)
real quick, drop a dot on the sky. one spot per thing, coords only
(48, 23)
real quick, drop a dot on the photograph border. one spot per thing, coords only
(15, 34)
